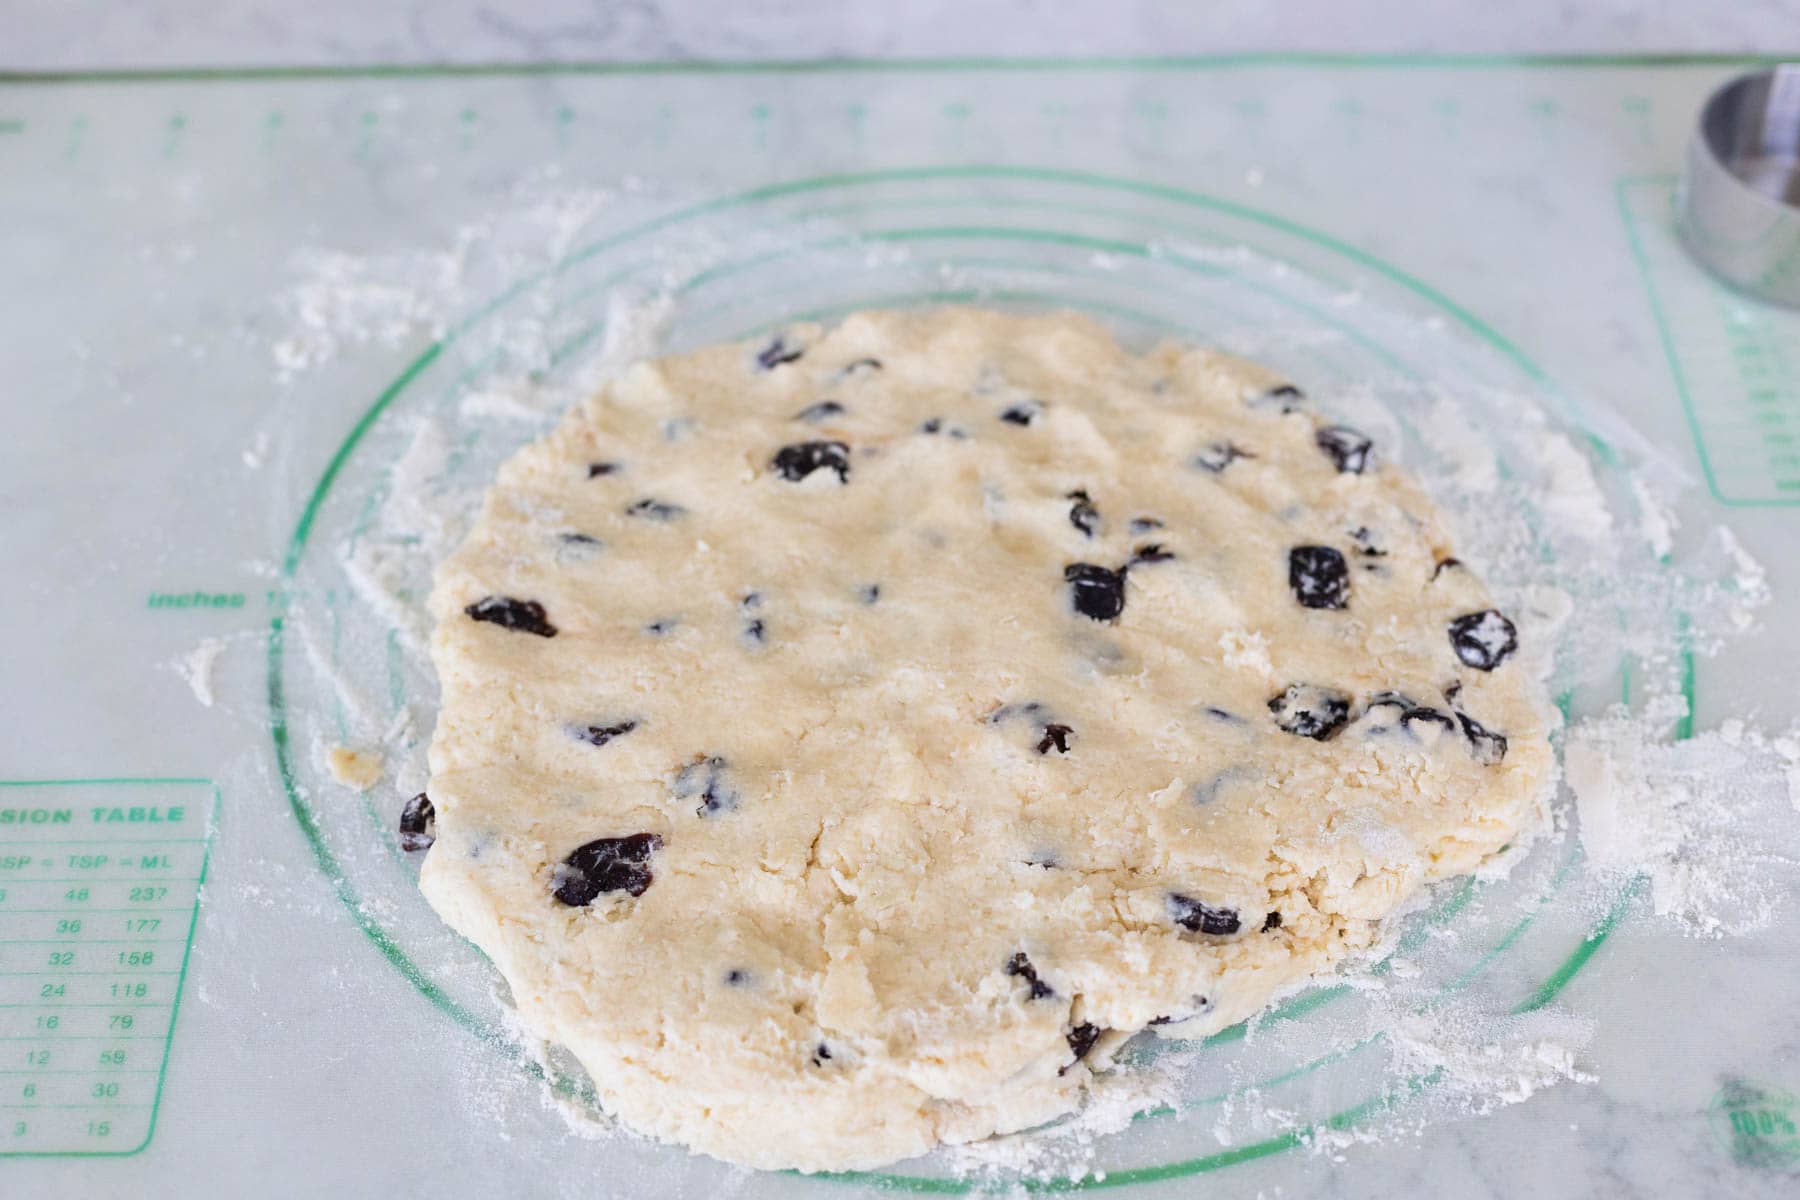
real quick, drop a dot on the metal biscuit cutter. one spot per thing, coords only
(1739, 203)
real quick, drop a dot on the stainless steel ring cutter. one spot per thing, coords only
(1740, 194)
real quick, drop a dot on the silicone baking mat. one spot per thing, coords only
(217, 973)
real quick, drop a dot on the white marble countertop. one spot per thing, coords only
(51, 35)
(1666, 1051)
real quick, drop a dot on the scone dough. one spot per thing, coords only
(848, 739)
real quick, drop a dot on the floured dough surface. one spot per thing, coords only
(849, 739)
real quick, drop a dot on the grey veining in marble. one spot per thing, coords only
(43, 34)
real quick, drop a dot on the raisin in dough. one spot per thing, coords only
(849, 739)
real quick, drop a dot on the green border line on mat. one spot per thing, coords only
(825, 66)
(1622, 189)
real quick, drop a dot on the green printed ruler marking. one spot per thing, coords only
(99, 895)
(1735, 361)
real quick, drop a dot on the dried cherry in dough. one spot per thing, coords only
(1484, 639)
(1019, 965)
(599, 735)
(1096, 592)
(1026, 412)
(418, 823)
(1311, 712)
(1216, 457)
(1347, 449)
(1197, 916)
(651, 509)
(521, 616)
(778, 353)
(1487, 746)
(609, 864)
(1318, 577)
(1081, 1039)
(1082, 513)
(709, 781)
(796, 462)
(1283, 398)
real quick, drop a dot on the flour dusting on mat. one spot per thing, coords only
(1701, 820)
(1589, 557)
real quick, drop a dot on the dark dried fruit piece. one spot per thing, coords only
(1026, 412)
(418, 823)
(1198, 917)
(1410, 717)
(708, 779)
(1272, 921)
(777, 353)
(1347, 448)
(798, 461)
(823, 410)
(662, 626)
(1484, 639)
(1283, 397)
(620, 864)
(737, 977)
(935, 425)
(869, 593)
(597, 469)
(1151, 552)
(1444, 564)
(1305, 710)
(1318, 577)
(1081, 1039)
(756, 632)
(821, 1055)
(599, 735)
(1487, 746)
(578, 539)
(1200, 1004)
(1020, 966)
(521, 616)
(1096, 592)
(1219, 714)
(1415, 718)
(1366, 543)
(655, 510)
(1082, 514)
(1145, 524)
(1057, 736)
(1219, 455)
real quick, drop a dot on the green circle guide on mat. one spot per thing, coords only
(397, 956)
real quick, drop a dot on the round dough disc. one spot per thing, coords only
(849, 739)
